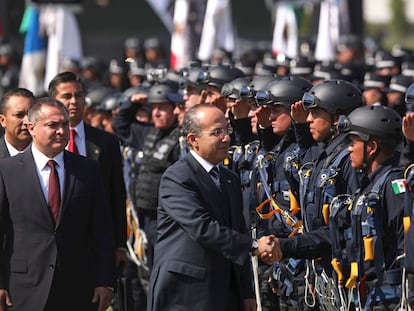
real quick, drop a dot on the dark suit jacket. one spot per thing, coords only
(202, 242)
(104, 147)
(4, 152)
(32, 246)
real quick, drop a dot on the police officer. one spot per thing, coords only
(277, 97)
(158, 142)
(212, 80)
(322, 152)
(377, 238)
(244, 144)
(408, 131)
(396, 93)
(9, 67)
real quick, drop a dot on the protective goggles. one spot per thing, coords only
(344, 125)
(310, 101)
(267, 98)
(228, 90)
(263, 98)
(409, 96)
(203, 77)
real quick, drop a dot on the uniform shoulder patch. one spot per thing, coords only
(398, 185)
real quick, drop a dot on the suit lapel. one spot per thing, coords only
(30, 169)
(209, 190)
(228, 191)
(4, 152)
(93, 151)
(69, 185)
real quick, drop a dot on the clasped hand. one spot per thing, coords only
(269, 250)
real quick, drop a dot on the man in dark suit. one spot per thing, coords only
(201, 257)
(58, 258)
(98, 145)
(14, 105)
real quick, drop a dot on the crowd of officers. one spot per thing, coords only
(324, 152)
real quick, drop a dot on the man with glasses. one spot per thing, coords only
(201, 256)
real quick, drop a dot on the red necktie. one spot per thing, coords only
(72, 145)
(54, 190)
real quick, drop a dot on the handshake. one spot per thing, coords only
(268, 249)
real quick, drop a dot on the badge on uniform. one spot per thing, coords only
(398, 186)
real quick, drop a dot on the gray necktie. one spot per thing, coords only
(215, 176)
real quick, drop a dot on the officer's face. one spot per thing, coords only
(393, 98)
(72, 96)
(213, 97)
(163, 116)
(210, 147)
(191, 97)
(356, 151)
(371, 96)
(179, 112)
(280, 117)
(253, 117)
(14, 121)
(319, 124)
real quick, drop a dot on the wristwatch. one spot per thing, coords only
(255, 246)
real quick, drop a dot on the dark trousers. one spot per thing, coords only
(58, 294)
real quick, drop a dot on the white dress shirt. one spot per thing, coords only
(43, 170)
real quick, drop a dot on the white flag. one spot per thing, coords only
(285, 34)
(64, 38)
(218, 30)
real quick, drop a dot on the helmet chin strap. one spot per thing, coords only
(366, 164)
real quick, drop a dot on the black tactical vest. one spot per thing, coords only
(154, 163)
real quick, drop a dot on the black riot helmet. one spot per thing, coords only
(376, 121)
(163, 92)
(237, 89)
(111, 102)
(189, 77)
(409, 95)
(285, 92)
(95, 96)
(259, 83)
(334, 96)
(218, 75)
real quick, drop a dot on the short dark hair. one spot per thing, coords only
(34, 110)
(20, 92)
(63, 77)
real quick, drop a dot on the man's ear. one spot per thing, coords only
(30, 128)
(192, 140)
(372, 146)
(2, 120)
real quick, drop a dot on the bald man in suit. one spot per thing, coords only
(201, 257)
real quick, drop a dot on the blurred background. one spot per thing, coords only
(101, 27)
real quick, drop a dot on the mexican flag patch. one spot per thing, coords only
(398, 186)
